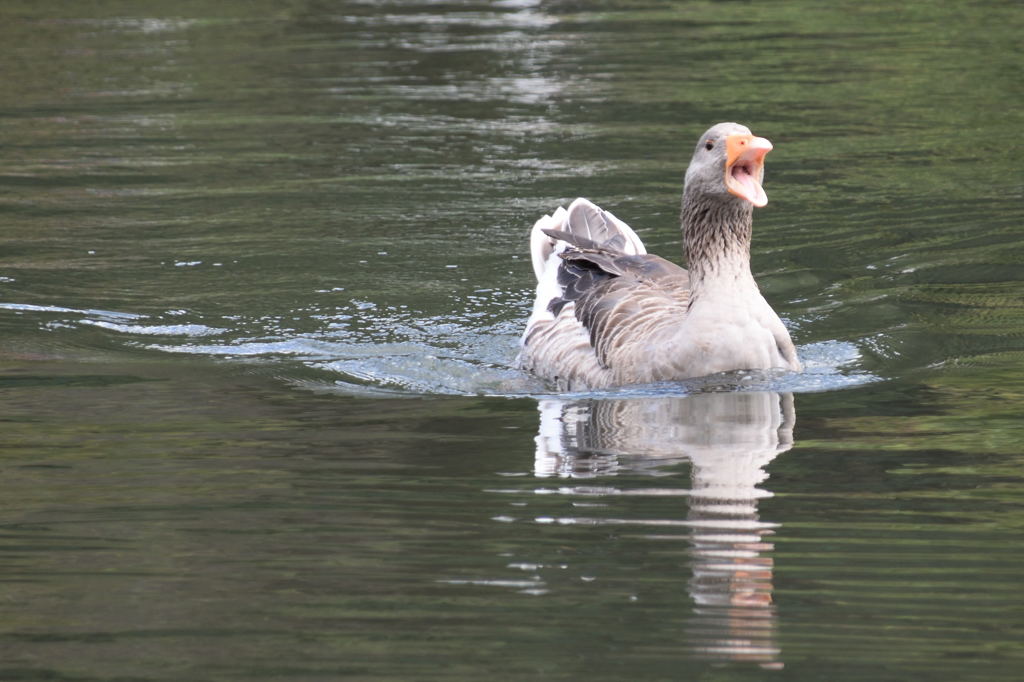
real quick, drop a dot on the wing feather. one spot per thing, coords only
(609, 296)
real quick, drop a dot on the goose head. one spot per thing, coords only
(728, 164)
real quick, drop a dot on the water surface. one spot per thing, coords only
(263, 268)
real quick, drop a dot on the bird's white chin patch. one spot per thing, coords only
(742, 180)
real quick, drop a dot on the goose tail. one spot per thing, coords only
(584, 223)
(553, 333)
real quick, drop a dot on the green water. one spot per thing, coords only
(263, 267)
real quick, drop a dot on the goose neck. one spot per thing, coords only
(716, 240)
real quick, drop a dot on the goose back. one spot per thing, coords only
(601, 299)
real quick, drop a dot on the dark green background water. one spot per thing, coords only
(262, 271)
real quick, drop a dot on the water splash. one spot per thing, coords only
(361, 348)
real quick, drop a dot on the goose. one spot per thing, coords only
(609, 314)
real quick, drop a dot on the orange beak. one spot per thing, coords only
(744, 167)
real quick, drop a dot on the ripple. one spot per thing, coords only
(102, 314)
(361, 348)
(190, 330)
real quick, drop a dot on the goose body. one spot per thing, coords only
(607, 313)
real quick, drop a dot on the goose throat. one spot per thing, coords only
(716, 237)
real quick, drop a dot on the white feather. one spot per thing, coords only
(584, 219)
(582, 206)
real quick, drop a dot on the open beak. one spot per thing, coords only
(744, 167)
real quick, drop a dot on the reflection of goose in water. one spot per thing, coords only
(728, 438)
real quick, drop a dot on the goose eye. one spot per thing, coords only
(709, 145)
